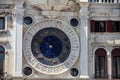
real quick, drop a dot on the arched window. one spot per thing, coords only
(100, 63)
(116, 63)
(2, 50)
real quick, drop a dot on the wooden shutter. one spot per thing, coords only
(108, 26)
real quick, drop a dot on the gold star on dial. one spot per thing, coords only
(40, 56)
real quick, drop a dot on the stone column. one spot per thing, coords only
(84, 39)
(18, 21)
(109, 63)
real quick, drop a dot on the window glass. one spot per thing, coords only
(74, 22)
(116, 63)
(1, 63)
(100, 63)
(2, 23)
(115, 26)
(1, 60)
(99, 26)
(74, 72)
(105, 26)
(28, 20)
(27, 71)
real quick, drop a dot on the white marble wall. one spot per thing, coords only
(89, 41)
(103, 40)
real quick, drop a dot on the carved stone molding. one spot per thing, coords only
(84, 12)
(104, 5)
(6, 6)
(4, 42)
(71, 5)
(48, 7)
(5, 11)
(104, 11)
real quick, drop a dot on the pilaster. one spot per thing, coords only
(18, 27)
(84, 17)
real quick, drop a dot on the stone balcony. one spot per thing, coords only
(105, 1)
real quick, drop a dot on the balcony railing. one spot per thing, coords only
(116, 76)
(105, 1)
(100, 76)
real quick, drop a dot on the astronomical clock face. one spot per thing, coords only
(51, 47)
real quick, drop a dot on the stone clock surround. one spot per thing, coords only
(57, 69)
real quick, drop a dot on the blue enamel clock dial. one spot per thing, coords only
(51, 46)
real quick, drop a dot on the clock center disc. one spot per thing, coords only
(51, 46)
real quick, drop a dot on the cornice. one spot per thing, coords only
(84, 4)
(69, 6)
(6, 6)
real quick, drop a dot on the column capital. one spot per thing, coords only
(84, 4)
(18, 3)
(84, 13)
(18, 11)
(83, 0)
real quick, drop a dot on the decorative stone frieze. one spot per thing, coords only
(104, 11)
(6, 6)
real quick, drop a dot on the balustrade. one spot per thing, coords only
(105, 1)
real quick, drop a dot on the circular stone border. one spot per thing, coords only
(57, 69)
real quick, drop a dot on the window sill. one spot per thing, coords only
(1, 31)
(101, 78)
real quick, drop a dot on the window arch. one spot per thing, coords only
(116, 63)
(100, 63)
(2, 50)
